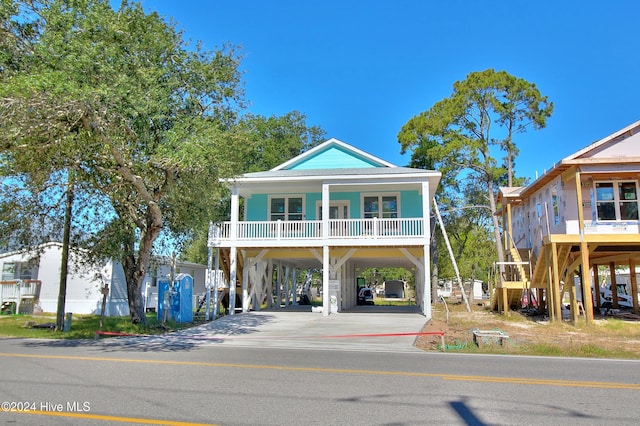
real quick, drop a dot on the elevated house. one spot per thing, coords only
(579, 216)
(334, 208)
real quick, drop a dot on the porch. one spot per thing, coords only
(309, 233)
(19, 296)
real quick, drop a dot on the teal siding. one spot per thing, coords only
(333, 158)
(315, 197)
(410, 204)
(354, 202)
(312, 199)
(257, 208)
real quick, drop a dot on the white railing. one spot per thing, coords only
(312, 229)
(19, 291)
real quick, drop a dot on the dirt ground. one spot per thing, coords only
(610, 335)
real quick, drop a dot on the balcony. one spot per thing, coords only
(311, 233)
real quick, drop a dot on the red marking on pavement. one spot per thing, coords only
(223, 337)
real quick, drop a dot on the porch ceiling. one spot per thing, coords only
(365, 257)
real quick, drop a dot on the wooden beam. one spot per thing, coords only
(505, 300)
(550, 296)
(580, 207)
(596, 286)
(587, 301)
(555, 283)
(617, 258)
(573, 302)
(634, 284)
(614, 286)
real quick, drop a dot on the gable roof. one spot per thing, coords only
(333, 162)
(612, 149)
(333, 154)
(616, 144)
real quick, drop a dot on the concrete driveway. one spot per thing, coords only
(364, 328)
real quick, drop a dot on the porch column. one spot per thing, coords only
(232, 279)
(216, 284)
(245, 286)
(287, 286)
(294, 285)
(233, 264)
(325, 250)
(426, 271)
(279, 286)
(325, 280)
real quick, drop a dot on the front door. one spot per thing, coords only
(337, 210)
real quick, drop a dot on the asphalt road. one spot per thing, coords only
(217, 381)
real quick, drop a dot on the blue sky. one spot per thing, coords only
(362, 69)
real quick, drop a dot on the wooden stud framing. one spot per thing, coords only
(634, 284)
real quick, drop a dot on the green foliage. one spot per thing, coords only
(464, 135)
(459, 133)
(276, 139)
(270, 142)
(376, 276)
(143, 120)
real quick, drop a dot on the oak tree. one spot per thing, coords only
(143, 119)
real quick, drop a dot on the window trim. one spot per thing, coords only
(617, 203)
(380, 196)
(286, 206)
(334, 203)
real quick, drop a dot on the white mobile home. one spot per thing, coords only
(84, 284)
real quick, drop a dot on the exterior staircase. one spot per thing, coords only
(514, 276)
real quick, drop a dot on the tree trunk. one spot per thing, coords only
(62, 292)
(496, 224)
(134, 289)
(135, 269)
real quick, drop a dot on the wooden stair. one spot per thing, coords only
(539, 278)
(516, 279)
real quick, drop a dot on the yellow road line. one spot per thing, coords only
(108, 418)
(486, 379)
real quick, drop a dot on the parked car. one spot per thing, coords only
(365, 296)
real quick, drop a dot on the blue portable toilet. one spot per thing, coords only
(164, 298)
(177, 299)
(182, 306)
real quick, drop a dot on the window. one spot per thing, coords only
(371, 209)
(381, 206)
(616, 200)
(628, 201)
(286, 208)
(8, 271)
(554, 203)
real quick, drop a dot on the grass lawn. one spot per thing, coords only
(606, 337)
(82, 326)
